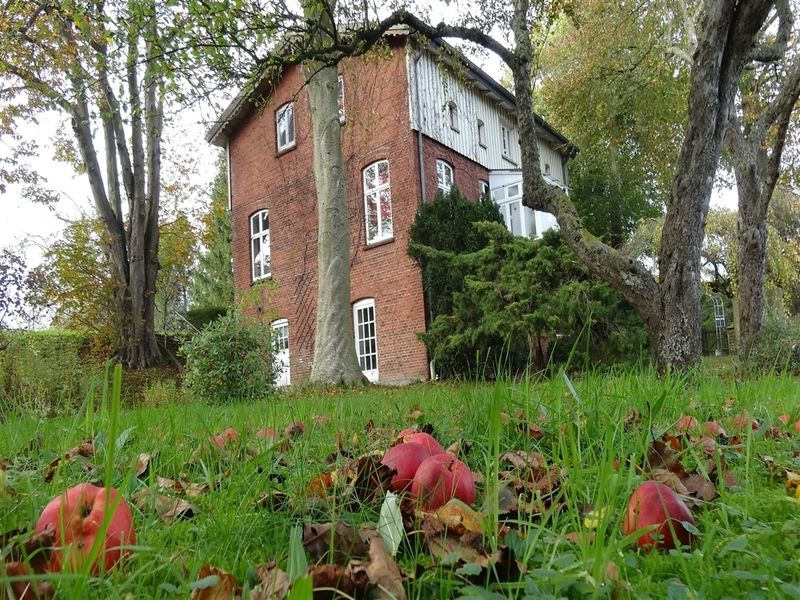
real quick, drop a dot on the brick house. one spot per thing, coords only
(414, 121)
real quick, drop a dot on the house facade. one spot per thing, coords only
(415, 120)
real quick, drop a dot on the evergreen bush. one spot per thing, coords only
(230, 360)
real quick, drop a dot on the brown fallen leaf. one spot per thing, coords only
(142, 466)
(458, 518)
(28, 547)
(382, 571)
(700, 487)
(273, 582)
(225, 588)
(331, 581)
(167, 508)
(85, 449)
(340, 542)
(23, 589)
(669, 479)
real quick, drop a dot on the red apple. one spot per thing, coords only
(427, 440)
(655, 508)
(404, 459)
(686, 423)
(229, 435)
(714, 428)
(405, 433)
(267, 433)
(76, 517)
(783, 419)
(440, 478)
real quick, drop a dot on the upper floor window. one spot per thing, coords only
(481, 134)
(505, 134)
(444, 176)
(259, 245)
(378, 201)
(284, 125)
(483, 186)
(452, 114)
(340, 97)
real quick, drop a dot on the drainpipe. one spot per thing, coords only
(417, 56)
(228, 172)
(420, 158)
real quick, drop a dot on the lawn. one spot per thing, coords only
(595, 436)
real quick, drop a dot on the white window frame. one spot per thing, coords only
(377, 191)
(453, 117)
(481, 133)
(445, 176)
(366, 337)
(285, 131)
(505, 136)
(340, 97)
(483, 188)
(281, 343)
(260, 235)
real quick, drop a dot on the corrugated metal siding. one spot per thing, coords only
(437, 86)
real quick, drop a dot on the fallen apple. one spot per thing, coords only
(657, 509)
(685, 424)
(76, 518)
(714, 428)
(440, 478)
(404, 459)
(229, 435)
(427, 440)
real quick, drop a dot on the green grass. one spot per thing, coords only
(749, 540)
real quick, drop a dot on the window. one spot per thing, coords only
(546, 170)
(444, 176)
(259, 245)
(481, 134)
(483, 186)
(366, 337)
(505, 133)
(284, 125)
(340, 98)
(378, 201)
(280, 347)
(452, 113)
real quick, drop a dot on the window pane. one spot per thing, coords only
(372, 217)
(369, 178)
(254, 224)
(383, 172)
(386, 212)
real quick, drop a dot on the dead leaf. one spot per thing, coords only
(383, 572)
(23, 589)
(167, 508)
(294, 430)
(28, 547)
(661, 455)
(320, 419)
(273, 583)
(142, 465)
(578, 537)
(700, 487)
(669, 479)
(340, 542)
(415, 414)
(459, 518)
(633, 417)
(225, 588)
(329, 579)
(85, 449)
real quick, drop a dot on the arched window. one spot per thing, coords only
(444, 176)
(259, 245)
(378, 202)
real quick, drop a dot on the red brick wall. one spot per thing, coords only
(377, 127)
(466, 173)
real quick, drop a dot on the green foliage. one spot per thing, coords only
(176, 250)
(212, 281)
(529, 301)
(46, 372)
(612, 82)
(229, 360)
(446, 225)
(777, 347)
(200, 317)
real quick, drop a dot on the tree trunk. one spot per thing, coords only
(752, 267)
(335, 360)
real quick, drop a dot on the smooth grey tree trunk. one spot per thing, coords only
(756, 147)
(335, 360)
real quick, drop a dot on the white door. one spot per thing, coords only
(280, 341)
(366, 337)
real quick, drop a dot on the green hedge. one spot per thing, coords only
(46, 371)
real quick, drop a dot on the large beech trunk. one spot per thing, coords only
(335, 360)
